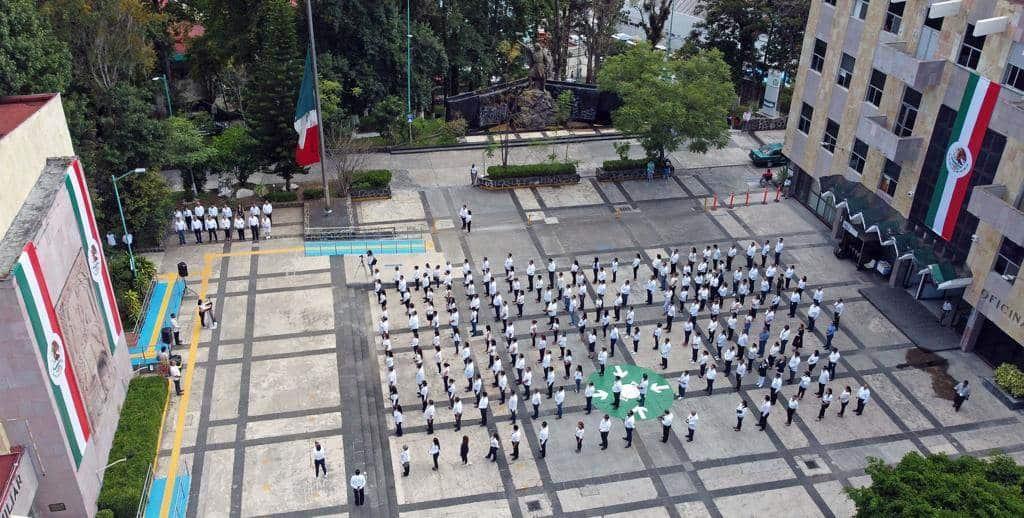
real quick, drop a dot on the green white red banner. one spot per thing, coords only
(78, 191)
(954, 180)
(49, 338)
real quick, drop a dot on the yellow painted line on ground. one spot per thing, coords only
(428, 244)
(170, 278)
(179, 430)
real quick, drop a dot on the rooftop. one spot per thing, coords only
(15, 109)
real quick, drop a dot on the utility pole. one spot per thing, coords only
(319, 113)
(671, 18)
(408, 67)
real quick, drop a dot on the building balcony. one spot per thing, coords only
(894, 60)
(875, 131)
(989, 204)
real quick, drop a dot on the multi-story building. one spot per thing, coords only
(64, 366)
(906, 134)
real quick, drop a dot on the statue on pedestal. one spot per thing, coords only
(540, 66)
(535, 108)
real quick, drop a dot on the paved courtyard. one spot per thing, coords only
(296, 358)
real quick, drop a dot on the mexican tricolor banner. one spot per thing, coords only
(50, 340)
(90, 235)
(964, 145)
(307, 124)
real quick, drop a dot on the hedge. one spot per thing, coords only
(136, 435)
(280, 196)
(625, 165)
(313, 193)
(498, 172)
(1011, 379)
(375, 179)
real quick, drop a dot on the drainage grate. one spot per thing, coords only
(533, 505)
(811, 464)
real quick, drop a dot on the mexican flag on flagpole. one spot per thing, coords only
(46, 331)
(969, 128)
(307, 124)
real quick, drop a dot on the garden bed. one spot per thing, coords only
(1005, 397)
(366, 194)
(628, 174)
(493, 184)
(138, 431)
(529, 175)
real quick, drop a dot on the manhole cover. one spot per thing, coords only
(811, 464)
(533, 505)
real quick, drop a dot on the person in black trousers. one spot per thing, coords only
(464, 450)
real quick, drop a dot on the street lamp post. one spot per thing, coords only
(408, 67)
(120, 210)
(167, 93)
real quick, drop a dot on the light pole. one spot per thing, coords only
(408, 67)
(167, 92)
(120, 210)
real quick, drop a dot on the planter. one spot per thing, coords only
(1005, 397)
(382, 193)
(527, 181)
(627, 174)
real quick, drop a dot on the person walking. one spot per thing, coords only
(358, 484)
(666, 425)
(404, 460)
(542, 436)
(469, 221)
(863, 396)
(174, 371)
(492, 453)
(826, 400)
(961, 392)
(844, 399)
(319, 460)
(605, 427)
(691, 425)
(741, 412)
(464, 450)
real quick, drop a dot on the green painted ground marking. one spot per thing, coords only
(660, 394)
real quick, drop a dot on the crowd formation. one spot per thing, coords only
(720, 300)
(258, 219)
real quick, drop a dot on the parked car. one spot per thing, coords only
(768, 155)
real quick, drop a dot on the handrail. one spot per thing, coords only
(145, 307)
(144, 498)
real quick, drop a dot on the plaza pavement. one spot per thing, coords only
(296, 359)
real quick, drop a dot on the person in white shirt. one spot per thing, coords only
(240, 227)
(469, 221)
(791, 407)
(604, 427)
(174, 372)
(492, 453)
(319, 460)
(225, 226)
(515, 438)
(399, 418)
(358, 484)
(404, 459)
(542, 437)
(629, 424)
(268, 209)
(741, 412)
(666, 425)
(826, 400)
(766, 408)
(197, 229)
(179, 228)
(266, 224)
(684, 383)
(863, 396)
(199, 211)
(254, 227)
(691, 425)
(482, 406)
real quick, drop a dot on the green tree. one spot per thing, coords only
(937, 485)
(276, 74)
(147, 203)
(653, 15)
(187, 149)
(235, 151)
(32, 59)
(668, 102)
(563, 107)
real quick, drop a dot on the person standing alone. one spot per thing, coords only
(358, 484)
(319, 460)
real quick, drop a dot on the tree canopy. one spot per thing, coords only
(32, 59)
(666, 102)
(938, 485)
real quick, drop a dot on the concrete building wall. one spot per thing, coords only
(24, 383)
(23, 154)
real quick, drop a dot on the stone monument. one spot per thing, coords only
(535, 109)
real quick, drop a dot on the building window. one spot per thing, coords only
(845, 74)
(894, 17)
(858, 155)
(890, 177)
(831, 2)
(970, 49)
(875, 88)
(860, 9)
(831, 135)
(806, 114)
(928, 44)
(1008, 260)
(818, 58)
(1014, 76)
(908, 113)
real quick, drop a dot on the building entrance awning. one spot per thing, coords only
(945, 277)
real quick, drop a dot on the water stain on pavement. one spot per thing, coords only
(936, 367)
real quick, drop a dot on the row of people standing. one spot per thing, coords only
(213, 219)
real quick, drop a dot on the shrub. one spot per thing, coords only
(135, 439)
(621, 149)
(521, 171)
(624, 165)
(105, 513)
(375, 179)
(1011, 379)
(280, 196)
(129, 305)
(313, 193)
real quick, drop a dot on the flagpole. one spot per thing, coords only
(319, 114)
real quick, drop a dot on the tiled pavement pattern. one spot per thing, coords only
(296, 358)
